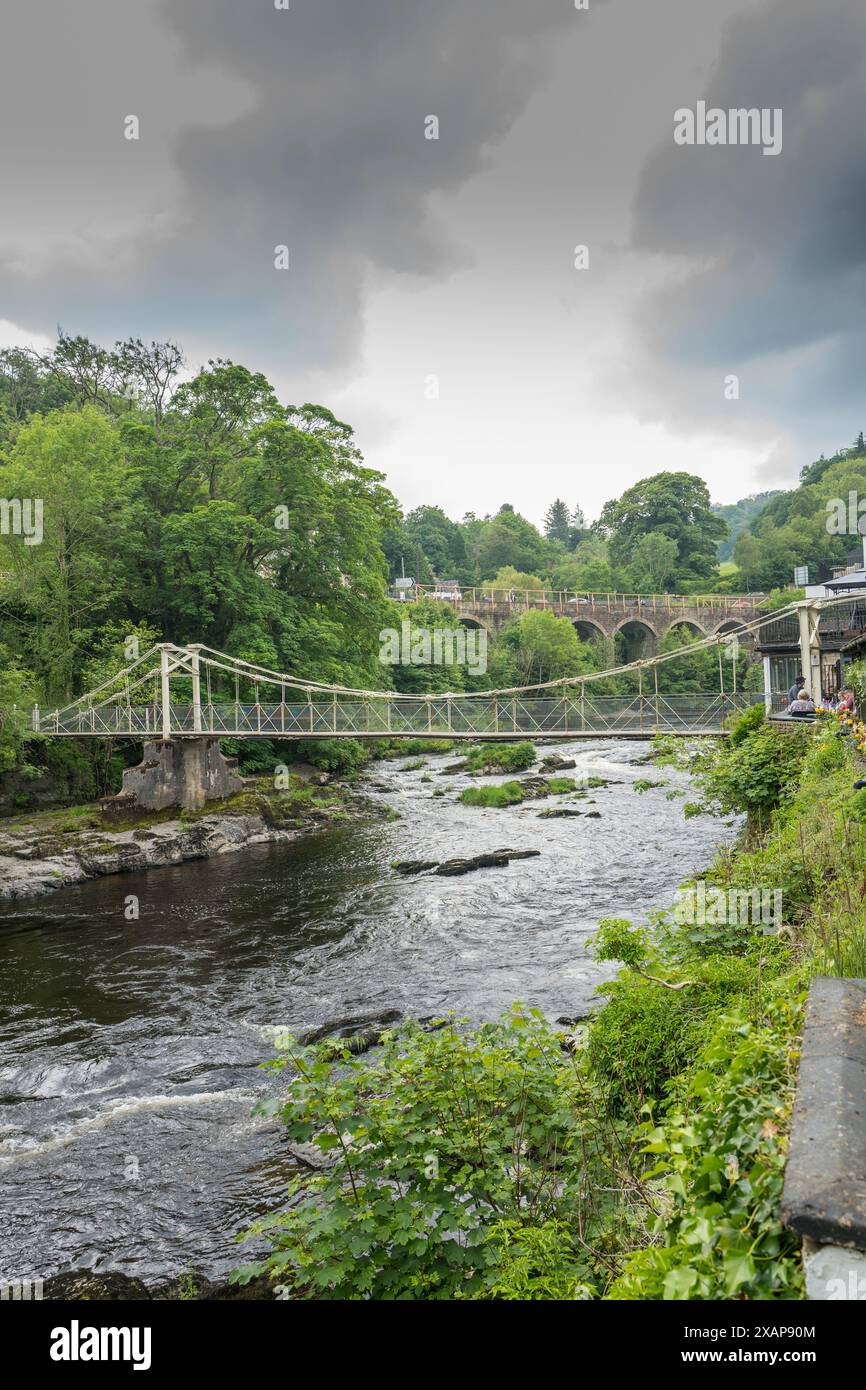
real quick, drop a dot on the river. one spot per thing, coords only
(130, 1050)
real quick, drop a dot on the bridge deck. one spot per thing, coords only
(459, 717)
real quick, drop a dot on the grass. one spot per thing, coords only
(512, 793)
(504, 794)
(500, 757)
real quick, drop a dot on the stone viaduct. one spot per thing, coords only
(640, 620)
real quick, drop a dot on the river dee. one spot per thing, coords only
(130, 1051)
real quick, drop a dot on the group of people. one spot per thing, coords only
(800, 702)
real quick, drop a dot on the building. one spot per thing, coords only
(831, 638)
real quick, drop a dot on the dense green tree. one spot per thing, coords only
(676, 505)
(557, 522)
(440, 541)
(64, 587)
(509, 539)
(654, 563)
(541, 647)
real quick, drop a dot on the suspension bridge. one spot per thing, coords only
(193, 691)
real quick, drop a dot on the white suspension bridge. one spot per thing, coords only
(194, 691)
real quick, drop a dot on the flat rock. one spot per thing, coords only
(452, 868)
(824, 1195)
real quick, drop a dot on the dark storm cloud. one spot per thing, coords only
(778, 242)
(328, 158)
(333, 161)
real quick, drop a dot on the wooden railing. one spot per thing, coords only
(572, 602)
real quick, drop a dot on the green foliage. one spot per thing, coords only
(647, 1034)
(720, 1159)
(558, 786)
(737, 516)
(500, 757)
(455, 1158)
(754, 774)
(536, 1262)
(538, 647)
(799, 527)
(674, 506)
(617, 939)
(745, 724)
(504, 794)
(16, 694)
(509, 539)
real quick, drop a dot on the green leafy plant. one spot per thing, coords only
(720, 1162)
(453, 1160)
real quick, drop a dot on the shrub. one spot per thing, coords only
(648, 1034)
(447, 1148)
(500, 757)
(721, 1159)
(744, 725)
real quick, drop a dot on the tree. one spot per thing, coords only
(440, 539)
(509, 578)
(509, 539)
(654, 563)
(557, 523)
(677, 505)
(578, 528)
(16, 695)
(62, 588)
(543, 647)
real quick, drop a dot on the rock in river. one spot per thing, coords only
(451, 868)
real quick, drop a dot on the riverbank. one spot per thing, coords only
(667, 1130)
(50, 850)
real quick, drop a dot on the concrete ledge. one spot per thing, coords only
(824, 1196)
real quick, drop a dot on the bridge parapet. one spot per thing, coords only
(606, 612)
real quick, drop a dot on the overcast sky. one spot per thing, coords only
(454, 258)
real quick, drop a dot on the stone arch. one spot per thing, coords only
(469, 620)
(731, 625)
(635, 640)
(588, 631)
(694, 628)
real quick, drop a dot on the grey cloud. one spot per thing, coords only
(777, 242)
(327, 156)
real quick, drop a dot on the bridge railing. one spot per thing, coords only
(571, 602)
(571, 714)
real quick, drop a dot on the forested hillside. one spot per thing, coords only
(804, 526)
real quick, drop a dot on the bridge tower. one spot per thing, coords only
(808, 615)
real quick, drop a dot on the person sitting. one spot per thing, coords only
(795, 690)
(803, 706)
(846, 701)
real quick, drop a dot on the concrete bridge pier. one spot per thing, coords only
(185, 772)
